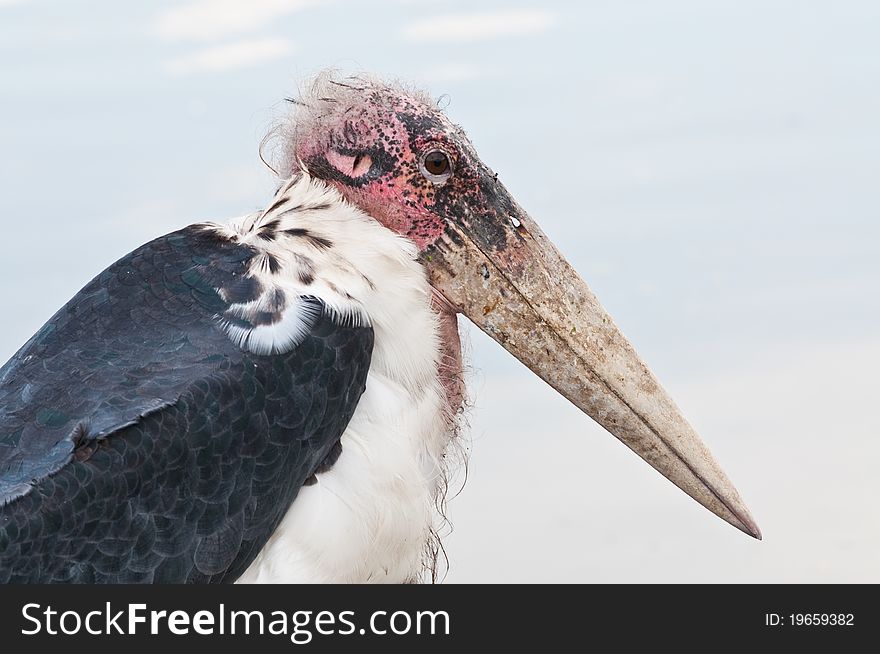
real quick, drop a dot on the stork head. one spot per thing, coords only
(395, 155)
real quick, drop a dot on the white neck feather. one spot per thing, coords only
(374, 515)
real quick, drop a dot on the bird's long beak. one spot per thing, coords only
(503, 273)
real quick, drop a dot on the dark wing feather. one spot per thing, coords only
(139, 444)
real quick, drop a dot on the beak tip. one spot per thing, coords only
(748, 526)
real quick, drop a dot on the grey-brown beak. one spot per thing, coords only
(514, 284)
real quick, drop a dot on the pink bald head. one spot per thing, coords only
(390, 151)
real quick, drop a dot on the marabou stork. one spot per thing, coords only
(274, 399)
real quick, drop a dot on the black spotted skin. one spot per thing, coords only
(139, 444)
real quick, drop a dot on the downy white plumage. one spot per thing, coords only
(373, 516)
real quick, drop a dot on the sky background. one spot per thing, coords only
(711, 169)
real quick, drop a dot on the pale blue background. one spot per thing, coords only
(711, 167)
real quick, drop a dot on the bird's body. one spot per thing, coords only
(368, 511)
(275, 399)
(372, 516)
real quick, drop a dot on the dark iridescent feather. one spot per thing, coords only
(139, 444)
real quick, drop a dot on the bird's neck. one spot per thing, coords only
(450, 367)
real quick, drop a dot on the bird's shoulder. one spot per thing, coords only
(173, 313)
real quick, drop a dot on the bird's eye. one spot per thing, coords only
(436, 162)
(436, 166)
